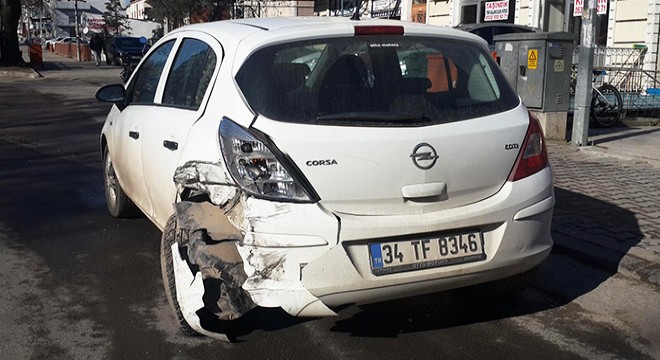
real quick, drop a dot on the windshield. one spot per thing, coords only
(375, 80)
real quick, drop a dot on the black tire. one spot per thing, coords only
(119, 205)
(502, 288)
(606, 106)
(167, 271)
(114, 59)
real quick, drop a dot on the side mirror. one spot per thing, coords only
(143, 40)
(114, 93)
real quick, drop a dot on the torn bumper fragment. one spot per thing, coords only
(239, 252)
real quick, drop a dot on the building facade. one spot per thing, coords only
(138, 9)
(620, 24)
(64, 15)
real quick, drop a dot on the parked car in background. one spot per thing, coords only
(71, 39)
(121, 49)
(490, 29)
(50, 42)
(309, 163)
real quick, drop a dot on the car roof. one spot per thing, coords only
(300, 27)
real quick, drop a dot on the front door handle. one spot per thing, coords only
(134, 134)
(172, 145)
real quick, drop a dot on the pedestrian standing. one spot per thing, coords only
(97, 46)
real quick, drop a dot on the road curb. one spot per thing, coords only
(19, 72)
(640, 121)
(635, 263)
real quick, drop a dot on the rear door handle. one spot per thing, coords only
(172, 145)
(134, 134)
(436, 191)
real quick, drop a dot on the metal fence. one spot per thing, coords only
(624, 68)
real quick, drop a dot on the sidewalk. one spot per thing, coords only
(608, 200)
(608, 194)
(61, 67)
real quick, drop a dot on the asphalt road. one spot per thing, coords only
(77, 284)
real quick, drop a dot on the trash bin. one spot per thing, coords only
(36, 56)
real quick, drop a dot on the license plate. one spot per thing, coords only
(417, 254)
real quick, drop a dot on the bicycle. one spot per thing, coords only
(606, 105)
(606, 102)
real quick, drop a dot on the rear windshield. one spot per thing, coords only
(375, 80)
(128, 42)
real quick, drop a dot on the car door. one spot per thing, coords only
(189, 81)
(129, 125)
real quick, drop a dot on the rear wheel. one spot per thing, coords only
(606, 106)
(167, 271)
(119, 205)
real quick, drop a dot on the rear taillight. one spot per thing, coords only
(379, 30)
(533, 157)
(259, 168)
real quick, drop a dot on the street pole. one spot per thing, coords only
(75, 16)
(580, 136)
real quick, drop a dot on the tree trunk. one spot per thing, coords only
(10, 15)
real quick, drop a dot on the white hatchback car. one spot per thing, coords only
(307, 163)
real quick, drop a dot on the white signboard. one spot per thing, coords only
(601, 8)
(497, 10)
(92, 22)
(383, 8)
(577, 9)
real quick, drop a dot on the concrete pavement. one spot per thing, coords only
(608, 200)
(608, 193)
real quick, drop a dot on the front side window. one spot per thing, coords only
(142, 89)
(375, 80)
(190, 75)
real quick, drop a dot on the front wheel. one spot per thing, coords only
(119, 205)
(606, 106)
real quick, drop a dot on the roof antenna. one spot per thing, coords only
(356, 14)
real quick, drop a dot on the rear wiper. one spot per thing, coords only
(377, 116)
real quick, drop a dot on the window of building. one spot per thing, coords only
(469, 14)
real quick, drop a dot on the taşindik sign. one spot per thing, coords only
(601, 8)
(497, 10)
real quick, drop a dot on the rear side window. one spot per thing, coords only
(375, 81)
(190, 75)
(143, 87)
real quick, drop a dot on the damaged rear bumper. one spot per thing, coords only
(305, 259)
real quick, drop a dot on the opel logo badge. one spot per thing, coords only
(424, 156)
